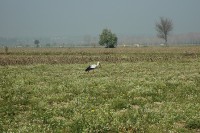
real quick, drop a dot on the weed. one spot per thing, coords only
(136, 90)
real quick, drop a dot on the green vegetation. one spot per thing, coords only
(37, 42)
(108, 38)
(147, 90)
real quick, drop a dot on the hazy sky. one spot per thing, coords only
(35, 18)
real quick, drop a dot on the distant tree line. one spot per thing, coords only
(108, 39)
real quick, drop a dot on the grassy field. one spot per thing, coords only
(150, 89)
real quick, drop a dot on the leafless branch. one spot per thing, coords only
(163, 27)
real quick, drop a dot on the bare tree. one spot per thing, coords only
(163, 27)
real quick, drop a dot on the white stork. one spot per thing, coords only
(92, 67)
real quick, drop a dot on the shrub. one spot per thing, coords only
(108, 38)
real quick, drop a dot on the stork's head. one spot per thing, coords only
(98, 64)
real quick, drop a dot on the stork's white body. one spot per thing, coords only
(93, 66)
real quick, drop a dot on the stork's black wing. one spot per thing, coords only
(88, 68)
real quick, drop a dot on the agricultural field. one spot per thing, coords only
(148, 89)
